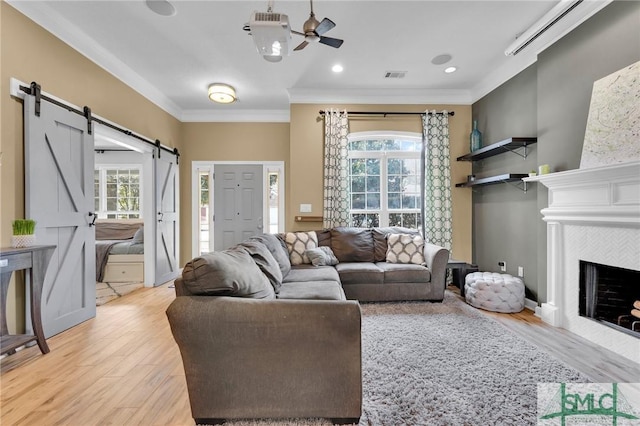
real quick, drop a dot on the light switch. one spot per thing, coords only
(305, 208)
(4, 262)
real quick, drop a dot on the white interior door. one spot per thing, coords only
(59, 195)
(166, 193)
(238, 203)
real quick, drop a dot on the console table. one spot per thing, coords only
(34, 261)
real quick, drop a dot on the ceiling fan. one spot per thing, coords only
(313, 31)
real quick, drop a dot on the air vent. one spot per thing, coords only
(395, 74)
(267, 17)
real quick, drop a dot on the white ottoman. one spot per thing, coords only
(494, 292)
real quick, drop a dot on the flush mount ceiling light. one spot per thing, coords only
(449, 70)
(161, 7)
(337, 68)
(222, 93)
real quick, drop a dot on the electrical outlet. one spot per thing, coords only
(520, 271)
(503, 266)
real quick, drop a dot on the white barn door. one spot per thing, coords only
(59, 195)
(166, 193)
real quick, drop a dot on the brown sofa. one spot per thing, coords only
(260, 338)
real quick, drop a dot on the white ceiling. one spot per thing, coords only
(172, 60)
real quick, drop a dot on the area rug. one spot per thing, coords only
(446, 364)
(106, 292)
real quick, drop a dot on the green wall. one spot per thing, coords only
(549, 99)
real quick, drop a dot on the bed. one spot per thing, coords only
(119, 251)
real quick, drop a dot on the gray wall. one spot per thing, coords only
(550, 99)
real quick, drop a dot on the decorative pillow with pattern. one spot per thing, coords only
(297, 243)
(405, 248)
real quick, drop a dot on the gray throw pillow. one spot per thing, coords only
(138, 237)
(277, 248)
(226, 273)
(265, 261)
(322, 256)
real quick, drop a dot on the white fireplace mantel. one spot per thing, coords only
(593, 215)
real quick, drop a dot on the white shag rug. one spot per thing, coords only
(445, 364)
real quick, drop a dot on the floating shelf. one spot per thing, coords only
(510, 145)
(508, 177)
(308, 218)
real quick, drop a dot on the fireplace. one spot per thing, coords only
(608, 295)
(593, 218)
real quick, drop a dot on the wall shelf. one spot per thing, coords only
(512, 144)
(505, 178)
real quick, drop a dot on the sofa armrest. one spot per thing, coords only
(436, 258)
(248, 358)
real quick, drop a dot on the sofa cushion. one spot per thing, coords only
(318, 290)
(265, 261)
(352, 244)
(277, 248)
(311, 273)
(380, 239)
(322, 256)
(404, 273)
(404, 248)
(359, 273)
(297, 243)
(226, 273)
(324, 238)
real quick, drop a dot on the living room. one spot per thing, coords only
(548, 99)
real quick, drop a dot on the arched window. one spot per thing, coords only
(384, 176)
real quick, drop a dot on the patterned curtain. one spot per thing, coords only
(436, 206)
(336, 178)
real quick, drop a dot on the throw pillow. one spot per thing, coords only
(277, 248)
(322, 256)
(265, 261)
(297, 243)
(226, 273)
(380, 239)
(405, 248)
(138, 237)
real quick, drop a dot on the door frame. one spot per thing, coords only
(267, 167)
(148, 196)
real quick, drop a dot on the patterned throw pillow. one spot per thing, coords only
(405, 248)
(297, 243)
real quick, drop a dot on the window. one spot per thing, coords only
(117, 191)
(384, 173)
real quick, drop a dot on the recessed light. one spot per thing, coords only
(441, 59)
(449, 70)
(337, 68)
(161, 7)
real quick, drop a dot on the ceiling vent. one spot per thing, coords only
(395, 74)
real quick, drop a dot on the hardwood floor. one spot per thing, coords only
(123, 367)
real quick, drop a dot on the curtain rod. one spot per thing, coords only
(385, 113)
(36, 91)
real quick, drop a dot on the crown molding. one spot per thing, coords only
(66, 31)
(235, 116)
(529, 55)
(380, 96)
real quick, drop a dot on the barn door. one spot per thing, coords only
(166, 193)
(59, 196)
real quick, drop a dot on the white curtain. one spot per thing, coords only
(436, 206)
(336, 178)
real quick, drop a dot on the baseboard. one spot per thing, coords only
(531, 305)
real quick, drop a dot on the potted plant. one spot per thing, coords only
(23, 233)
(532, 173)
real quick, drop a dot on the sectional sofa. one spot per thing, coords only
(266, 329)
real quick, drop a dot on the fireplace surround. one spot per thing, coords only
(593, 216)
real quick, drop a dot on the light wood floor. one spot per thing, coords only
(124, 368)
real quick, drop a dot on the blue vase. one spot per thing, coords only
(475, 138)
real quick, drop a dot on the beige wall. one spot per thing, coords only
(29, 53)
(306, 160)
(225, 142)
